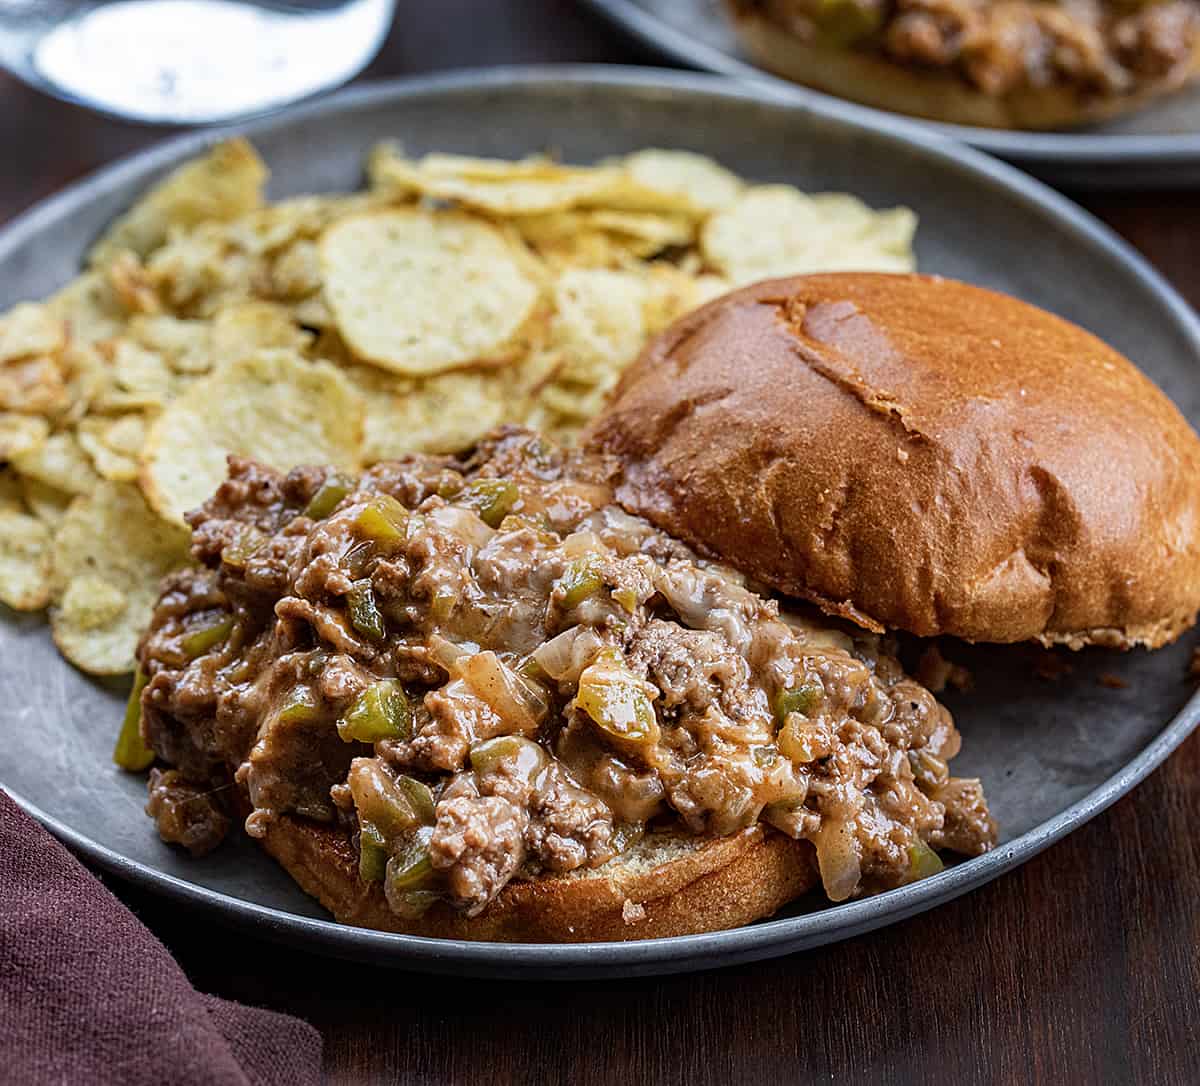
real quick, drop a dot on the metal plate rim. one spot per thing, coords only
(681, 953)
(1060, 150)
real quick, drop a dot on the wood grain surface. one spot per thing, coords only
(1081, 967)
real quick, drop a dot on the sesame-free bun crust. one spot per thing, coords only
(669, 884)
(938, 95)
(914, 453)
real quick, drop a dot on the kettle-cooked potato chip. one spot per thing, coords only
(418, 292)
(273, 405)
(58, 462)
(776, 230)
(24, 561)
(29, 329)
(21, 434)
(705, 185)
(109, 553)
(220, 186)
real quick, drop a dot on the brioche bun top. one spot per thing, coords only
(914, 453)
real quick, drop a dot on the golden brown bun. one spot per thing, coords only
(937, 95)
(914, 453)
(669, 884)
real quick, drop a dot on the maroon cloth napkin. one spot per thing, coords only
(87, 994)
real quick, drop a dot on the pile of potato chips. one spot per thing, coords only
(452, 294)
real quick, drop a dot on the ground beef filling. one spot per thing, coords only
(998, 46)
(483, 670)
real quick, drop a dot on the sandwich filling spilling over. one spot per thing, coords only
(483, 669)
(997, 46)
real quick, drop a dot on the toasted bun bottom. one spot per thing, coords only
(667, 885)
(935, 95)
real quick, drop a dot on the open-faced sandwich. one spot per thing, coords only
(993, 63)
(528, 694)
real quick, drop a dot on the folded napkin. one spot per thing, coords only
(87, 994)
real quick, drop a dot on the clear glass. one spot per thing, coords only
(189, 61)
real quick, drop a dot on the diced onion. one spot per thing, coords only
(449, 655)
(513, 698)
(838, 859)
(564, 657)
(463, 523)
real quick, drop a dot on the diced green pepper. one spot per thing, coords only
(419, 797)
(627, 598)
(131, 752)
(922, 861)
(615, 700)
(802, 699)
(328, 496)
(581, 580)
(379, 712)
(843, 22)
(242, 547)
(300, 707)
(365, 616)
(199, 641)
(528, 756)
(410, 868)
(450, 485)
(492, 499)
(413, 903)
(381, 800)
(382, 519)
(372, 853)
(442, 603)
(764, 756)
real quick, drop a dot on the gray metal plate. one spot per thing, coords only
(1051, 755)
(1158, 146)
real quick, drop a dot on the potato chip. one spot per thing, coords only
(704, 184)
(131, 284)
(45, 502)
(34, 386)
(296, 272)
(492, 186)
(441, 414)
(418, 292)
(184, 345)
(21, 435)
(30, 329)
(58, 462)
(12, 499)
(114, 445)
(24, 561)
(443, 164)
(240, 330)
(197, 272)
(223, 184)
(110, 551)
(136, 378)
(87, 375)
(600, 238)
(90, 309)
(599, 323)
(775, 230)
(273, 405)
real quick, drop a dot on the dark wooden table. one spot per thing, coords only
(1081, 967)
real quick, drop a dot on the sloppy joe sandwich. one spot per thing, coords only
(914, 453)
(994, 63)
(474, 697)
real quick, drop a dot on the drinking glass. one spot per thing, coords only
(189, 61)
